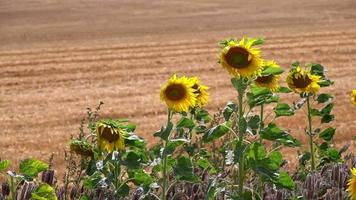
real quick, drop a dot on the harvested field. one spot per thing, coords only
(59, 57)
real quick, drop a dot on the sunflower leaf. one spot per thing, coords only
(272, 70)
(4, 164)
(44, 192)
(274, 133)
(322, 98)
(31, 167)
(165, 131)
(327, 134)
(184, 170)
(216, 132)
(283, 109)
(228, 110)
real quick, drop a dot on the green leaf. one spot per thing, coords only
(142, 178)
(172, 145)
(253, 124)
(276, 160)
(4, 164)
(31, 167)
(228, 110)
(283, 90)
(239, 84)
(327, 118)
(317, 69)
(135, 141)
(185, 122)
(202, 115)
(285, 181)
(132, 159)
(272, 70)
(85, 197)
(304, 158)
(123, 190)
(184, 170)
(256, 41)
(44, 192)
(322, 98)
(164, 132)
(274, 133)
(216, 132)
(327, 134)
(92, 181)
(283, 109)
(315, 112)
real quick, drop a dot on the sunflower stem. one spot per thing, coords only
(164, 169)
(260, 185)
(311, 142)
(241, 126)
(12, 188)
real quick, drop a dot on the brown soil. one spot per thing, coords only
(59, 57)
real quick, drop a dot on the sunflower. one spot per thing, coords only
(241, 59)
(81, 148)
(353, 97)
(110, 136)
(301, 80)
(178, 94)
(351, 185)
(270, 81)
(201, 91)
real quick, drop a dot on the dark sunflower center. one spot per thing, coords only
(107, 135)
(238, 57)
(264, 79)
(175, 92)
(301, 82)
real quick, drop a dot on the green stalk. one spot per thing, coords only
(311, 142)
(241, 137)
(164, 170)
(261, 122)
(260, 189)
(12, 188)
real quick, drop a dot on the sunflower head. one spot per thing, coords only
(81, 148)
(110, 135)
(201, 91)
(269, 80)
(241, 59)
(178, 94)
(351, 185)
(301, 80)
(353, 97)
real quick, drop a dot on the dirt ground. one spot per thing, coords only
(59, 57)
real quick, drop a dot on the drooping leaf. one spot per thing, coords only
(216, 132)
(31, 167)
(253, 124)
(184, 170)
(228, 110)
(322, 98)
(283, 109)
(327, 134)
(164, 132)
(4, 164)
(185, 122)
(44, 192)
(172, 145)
(274, 133)
(272, 70)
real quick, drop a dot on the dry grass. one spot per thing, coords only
(53, 66)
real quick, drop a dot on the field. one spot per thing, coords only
(59, 57)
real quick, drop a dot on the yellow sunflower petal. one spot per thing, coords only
(270, 81)
(353, 98)
(301, 80)
(178, 94)
(241, 59)
(351, 185)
